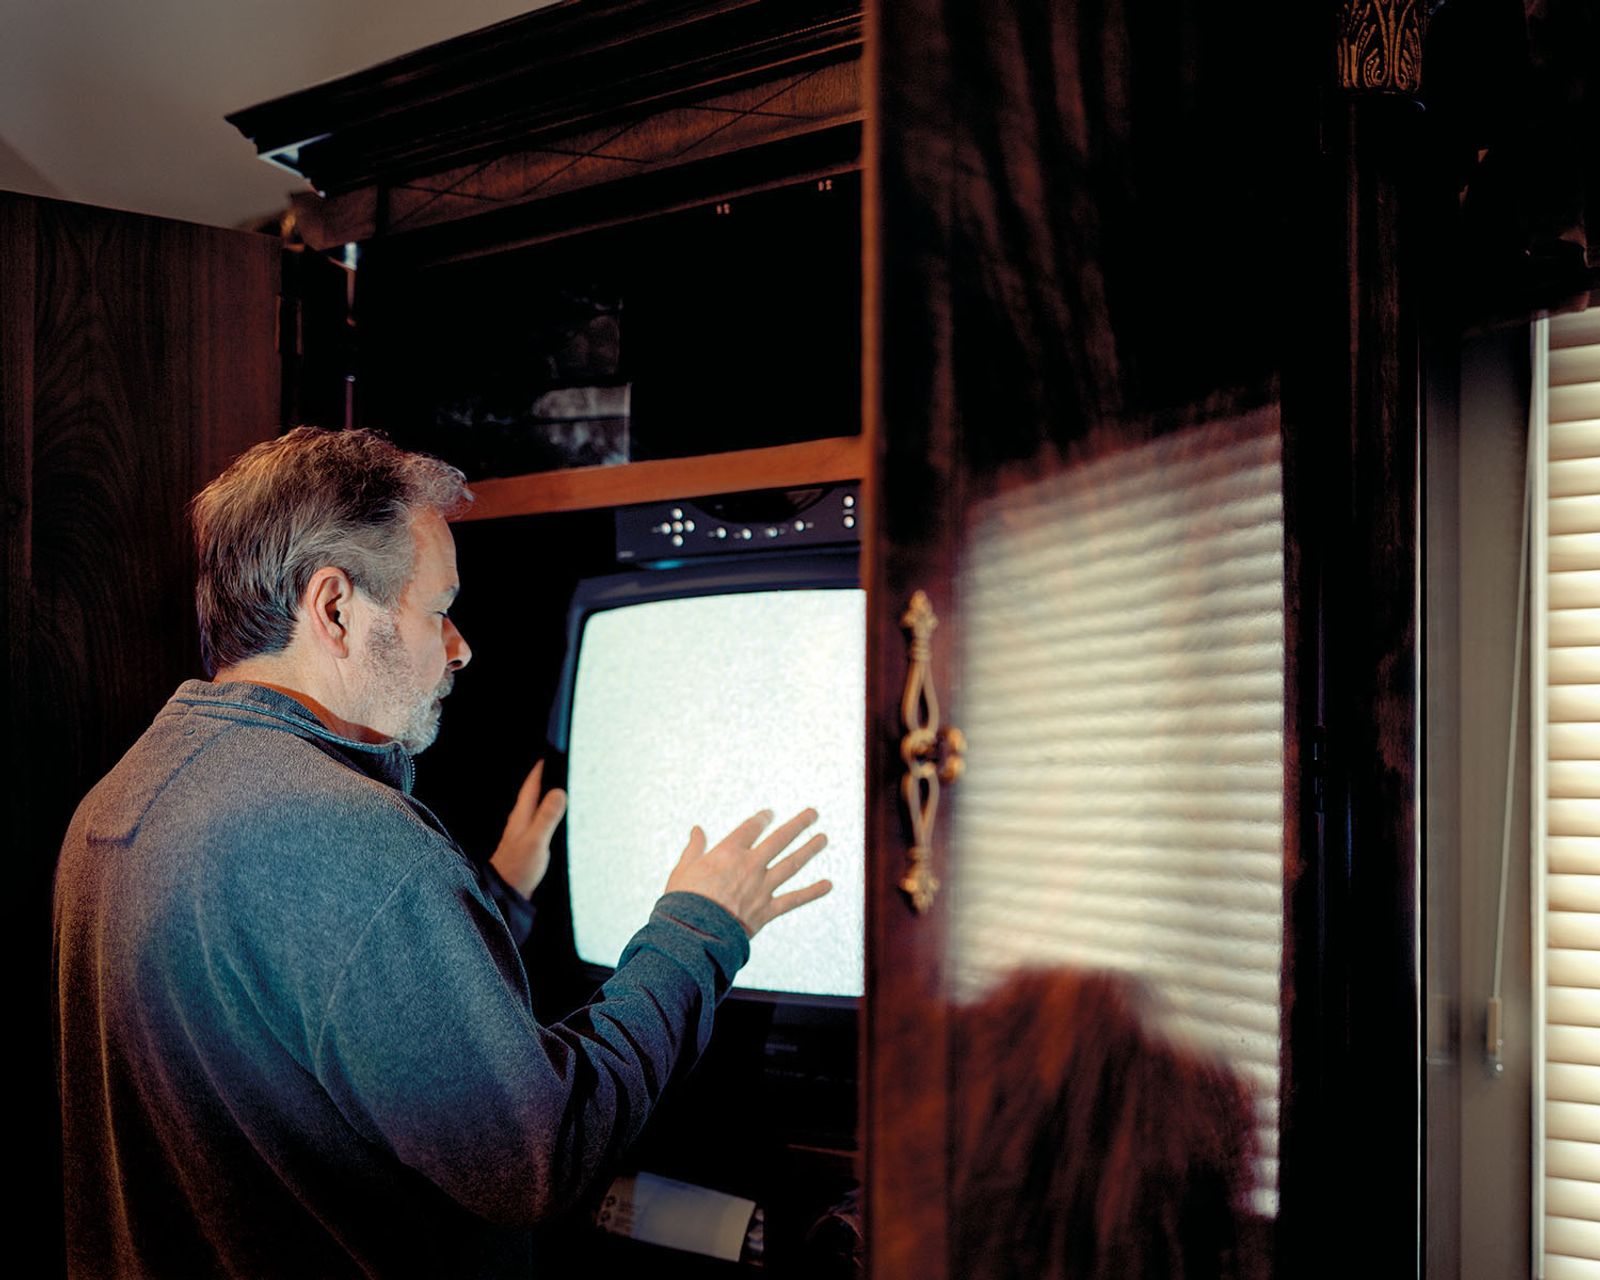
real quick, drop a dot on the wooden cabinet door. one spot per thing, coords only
(1077, 443)
(137, 358)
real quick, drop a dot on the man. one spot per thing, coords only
(294, 1031)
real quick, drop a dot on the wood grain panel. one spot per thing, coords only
(16, 413)
(138, 358)
(135, 403)
(914, 500)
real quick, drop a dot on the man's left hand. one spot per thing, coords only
(524, 853)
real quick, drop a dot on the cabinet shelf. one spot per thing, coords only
(586, 488)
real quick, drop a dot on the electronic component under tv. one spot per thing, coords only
(700, 696)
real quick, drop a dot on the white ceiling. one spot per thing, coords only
(121, 102)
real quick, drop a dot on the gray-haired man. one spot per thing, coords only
(293, 1027)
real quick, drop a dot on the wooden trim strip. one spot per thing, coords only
(586, 488)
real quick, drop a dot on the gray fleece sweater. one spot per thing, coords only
(294, 1033)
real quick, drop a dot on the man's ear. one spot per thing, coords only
(326, 611)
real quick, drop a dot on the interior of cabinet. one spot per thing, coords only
(769, 1114)
(730, 331)
(729, 326)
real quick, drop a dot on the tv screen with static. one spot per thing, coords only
(702, 709)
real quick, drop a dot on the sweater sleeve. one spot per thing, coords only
(429, 1048)
(517, 910)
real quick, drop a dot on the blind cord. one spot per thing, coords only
(1494, 1043)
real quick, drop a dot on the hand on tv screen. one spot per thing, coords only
(743, 871)
(523, 855)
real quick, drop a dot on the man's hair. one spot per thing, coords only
(305, 501)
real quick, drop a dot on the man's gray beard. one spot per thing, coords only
(422, 727)
(390, 677)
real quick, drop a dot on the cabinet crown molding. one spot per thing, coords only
(559, 70)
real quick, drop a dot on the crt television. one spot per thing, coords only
(700, 693)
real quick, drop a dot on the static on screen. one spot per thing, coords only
(705, 710)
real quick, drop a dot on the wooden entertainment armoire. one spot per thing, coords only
(958, 253)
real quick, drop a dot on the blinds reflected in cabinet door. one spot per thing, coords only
(1122, 693)
(1567, 1153)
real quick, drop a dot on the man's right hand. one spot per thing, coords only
(740, 874)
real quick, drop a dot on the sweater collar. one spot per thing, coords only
(388, 762)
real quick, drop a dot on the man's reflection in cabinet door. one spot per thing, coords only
(1090, 1142)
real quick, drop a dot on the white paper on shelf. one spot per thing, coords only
(677, 1215)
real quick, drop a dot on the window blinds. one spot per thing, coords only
(1567, 823)
(1122, 691)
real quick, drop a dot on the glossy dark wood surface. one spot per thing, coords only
(912, 485)
(1353, 1121)
(1077, 221)
(138, 358)
(147, 362)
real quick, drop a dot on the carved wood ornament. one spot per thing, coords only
(1380, 45)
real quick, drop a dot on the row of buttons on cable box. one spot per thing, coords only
(811, 517)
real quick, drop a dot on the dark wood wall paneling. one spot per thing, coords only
(138, 358)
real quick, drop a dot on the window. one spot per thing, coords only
(1566, 819)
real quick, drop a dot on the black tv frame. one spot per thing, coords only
(746, 573)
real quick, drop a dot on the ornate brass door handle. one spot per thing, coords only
(932, 754)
